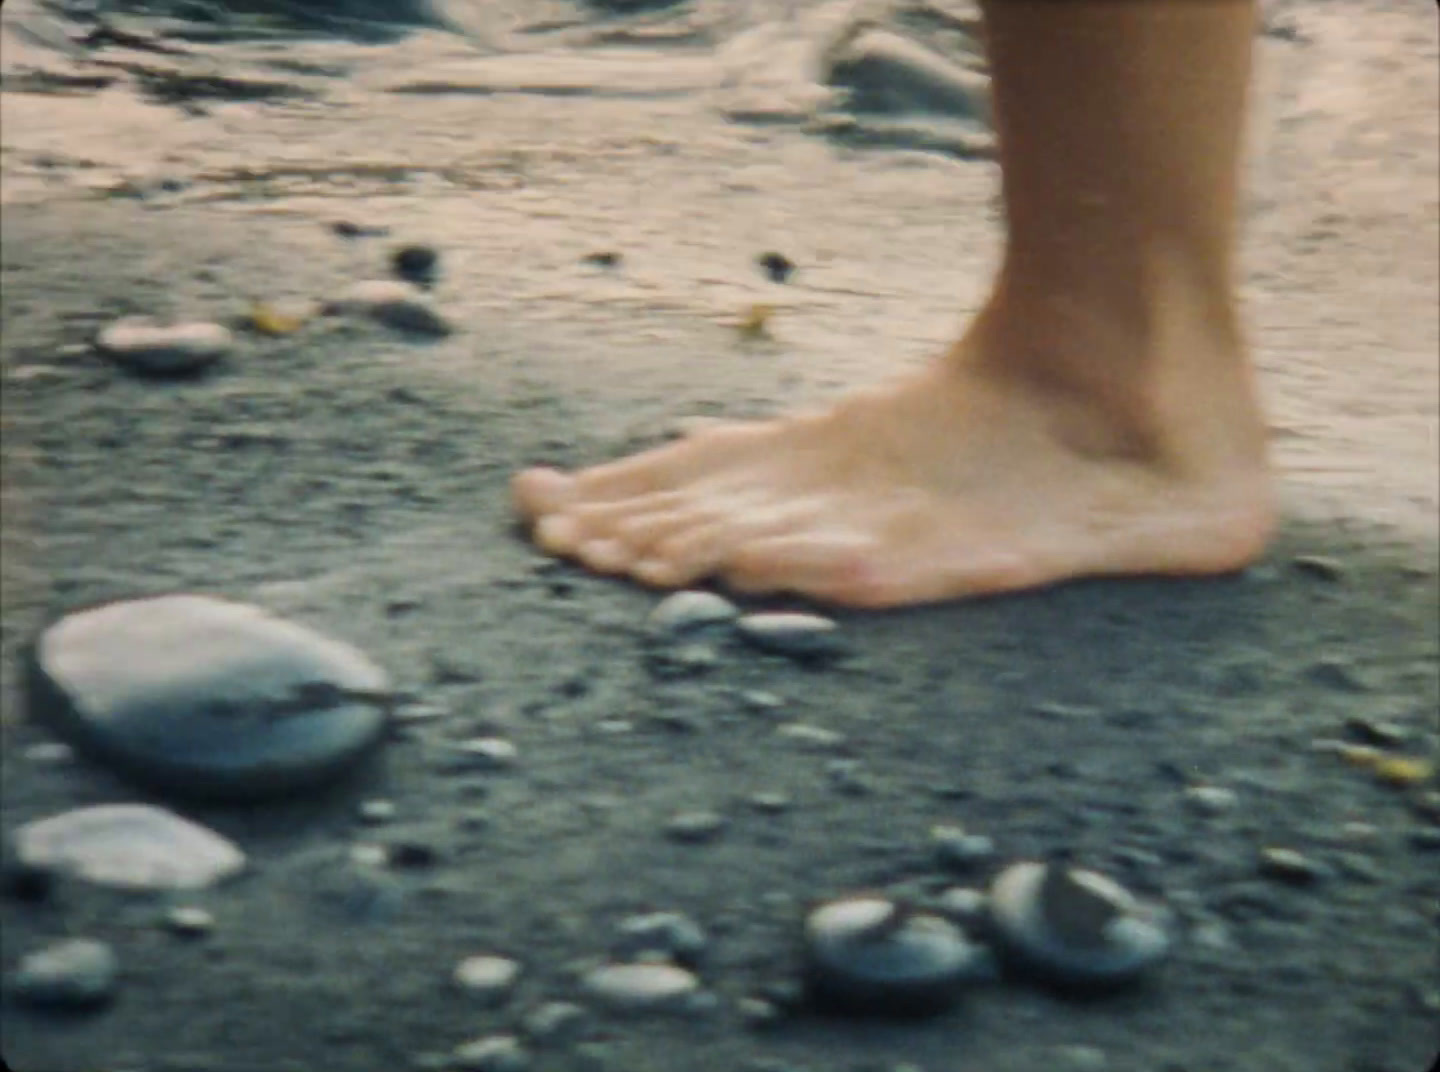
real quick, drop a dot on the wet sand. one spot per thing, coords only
(355, 480)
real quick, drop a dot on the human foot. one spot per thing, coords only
(955, 482)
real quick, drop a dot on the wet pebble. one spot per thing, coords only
(872, 956)
(689, 610)
(849, 778)
(1073, 928)
(489, 979)
(1321, 566)
(605, 258)
(695, 826)
(1211, 799)
(496, 1053)
(642, 988)
(416, 264)
(148, 347)
(21, 879)
(133, 846)
(486, 753)
(816, 737)
(376, 812)
(770, 803)
(757, 1013)
(1375, 731)
(189, 921)
(207, 697)
(76, 973)
(800, 636)
(1290, 866)
(555, 1023)
(776, 266)
(760, 702)
(49, 752)
(1425, 838)
(957, 850)
(1079, 1059)
(670, 934)
(394, 303)
(961, 904)
(1338, 673)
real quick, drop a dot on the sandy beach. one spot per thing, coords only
(598, 186)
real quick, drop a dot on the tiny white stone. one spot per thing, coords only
(814, 736)
(489, 978)
(498, 1053)
(642, 987)
(130, 845)
(150, 346)
(1211, 799)
(493, 752)
(690, 610)
(789, 634)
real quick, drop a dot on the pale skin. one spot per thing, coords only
(1098, 417)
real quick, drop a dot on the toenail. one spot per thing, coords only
(557, 533)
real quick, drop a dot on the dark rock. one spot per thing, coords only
(1321, 566)
(776, 266)
(669, 934)
(957, 850)
(605, 258)
(23, 880)
(887, 74)
(204, 697)
(416, 264)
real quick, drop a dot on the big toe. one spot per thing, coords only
(540, 491)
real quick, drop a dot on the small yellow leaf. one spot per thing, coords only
(754, 323)
(1359, 755)
(1403, 770)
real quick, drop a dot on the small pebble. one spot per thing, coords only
(133, 846)
(1425, 838)
(695, 826)
(489, 979)
(148, 347)
(960, 851)
(1211, 799)
(1321, 566)
(375, 812)
(76, 973)
(640, 988)
(848, 777)
(757, 1013)
(391, 302)
(670, 934)
(605, 258)
(368, 855)
(1374, 731)
(49, 752)
(1080, 1059)
(556, 1023)
(1290, 866)
(799, 636)
(961, 904)
(684, 611)
(351, 229)
(760, 702)
(497, 1053)
(189, 921)
(770, 803)
(776, 265)
(817, 737)
(416, 264)
(487, 753)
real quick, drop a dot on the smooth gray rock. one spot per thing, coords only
(78, 973)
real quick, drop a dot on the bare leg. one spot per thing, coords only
(1097, 418)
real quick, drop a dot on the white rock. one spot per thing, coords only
(76, 973)
(392, 303)
(683, 611)
(146, 345)
(488, 978)
(135, 846)
(635, 988)
(799, 635)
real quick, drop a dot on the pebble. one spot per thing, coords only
(1321, 566)
(641, 988)
(757, 1013)
(49, 752)
(1288, 865)
(760, 702)
(490, 979)
(1425, 838)
(555, 1023)
(958, 850)
(416, 264)
(488, 753)
(207, 697)
(776, 266)
(872, 956)
(23, 880)
(770, 803)
(689, 610)
(1073, 928)
(695, 826)
(817, 737)
(1080, 1059)
(670, 934)
(497, 1053)
(132, 846)
(961, 904)
(885, 73)
(189, 921)
(375, 812)
(1336, 672)
(1374, 731)
(799, 636)
(1211, 799)
(605, 258)
(148, 347)
(76, 973)
(394, 303)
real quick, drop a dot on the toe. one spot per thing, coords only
(540, 491)
(830, 567)
(558, 534)
(605, 556)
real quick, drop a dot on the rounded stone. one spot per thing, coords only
(1073, 928)
(670, 934)
(151, 348)
(189, 921)
(1290, 866)
(417, 264)
(488, 978)
(800, 636)
(205, 697)
(131, 846)
(77, 973)
(637, 988)
(391, 302)
(695, 826)
(958, 850)
(685, 611)
(872, 956)
(1211, 799)
(555, 1023)
(498, 1053)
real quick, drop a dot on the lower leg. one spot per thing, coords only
(1097, 418)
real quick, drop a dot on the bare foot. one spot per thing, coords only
(955, 482)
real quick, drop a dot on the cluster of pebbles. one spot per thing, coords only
(196, 697)
(173, 349)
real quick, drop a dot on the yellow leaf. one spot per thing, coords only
(268, 321)
(756, 320)
(1403, 770)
